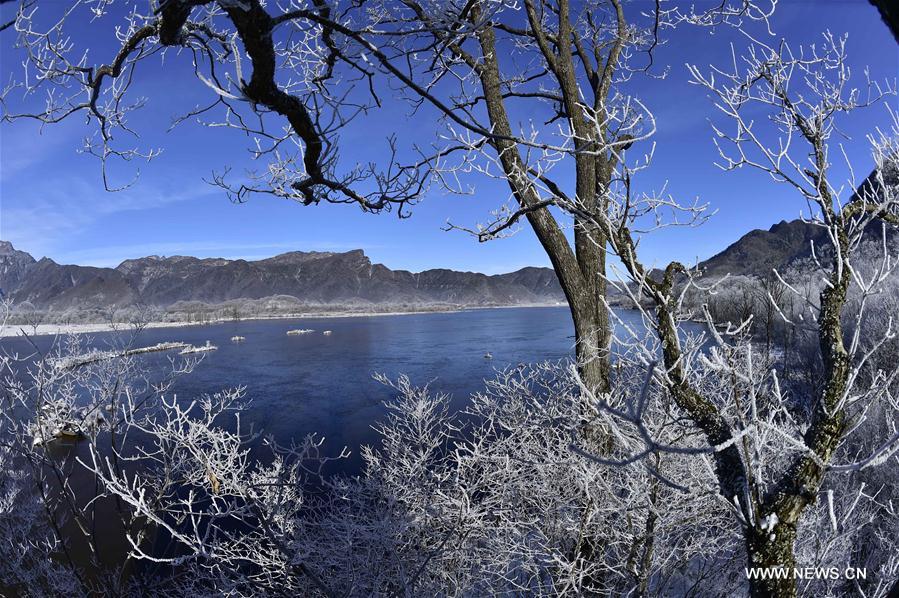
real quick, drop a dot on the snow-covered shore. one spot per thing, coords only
(65, 329)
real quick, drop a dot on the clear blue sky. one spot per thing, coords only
(53, 202)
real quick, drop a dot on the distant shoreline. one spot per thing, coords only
(17, 330)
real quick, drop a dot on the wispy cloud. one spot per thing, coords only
(49, 211)
(26, 146)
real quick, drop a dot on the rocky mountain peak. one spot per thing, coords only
(314, 277)
(14, 266)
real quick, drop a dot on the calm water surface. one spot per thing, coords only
(323, 384)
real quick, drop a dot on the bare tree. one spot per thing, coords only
(493, 501)
(140, 316)
(305, 71)
(59, 528)
(889, 15)
(772, 483)
(508, 509)
(29, 315)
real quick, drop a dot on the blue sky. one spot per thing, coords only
(52, 202)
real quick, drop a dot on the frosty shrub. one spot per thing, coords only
(522, 492)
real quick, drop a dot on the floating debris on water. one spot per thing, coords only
(157, 347)
(202, 349)
(76, 361)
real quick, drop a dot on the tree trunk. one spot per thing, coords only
(579, 271)
(592, 327)
(771, 551)
(592, 334)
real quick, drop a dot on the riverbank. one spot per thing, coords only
(13, 330)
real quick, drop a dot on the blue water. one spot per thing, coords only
(314, 383)
(323, 384)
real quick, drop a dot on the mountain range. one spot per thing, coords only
(759, 251)
(313, 278)
(337, 279)
(786, 243)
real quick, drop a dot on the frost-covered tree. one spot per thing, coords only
(291, 76)
(491, 501)
(774, 451)
(59, 527)
(710, 463)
